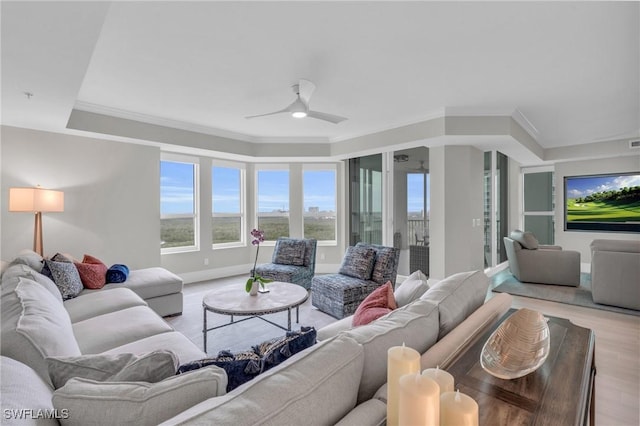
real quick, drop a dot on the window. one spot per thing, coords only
(178, 204)
(227, 204)
(418, 208)
(319, 194)
(272, 202)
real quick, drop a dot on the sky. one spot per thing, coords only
(415, 192)
(583, 186)
(176, 195)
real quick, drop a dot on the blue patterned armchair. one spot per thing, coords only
(364, 268)
(293, 261)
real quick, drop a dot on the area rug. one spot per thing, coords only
(505, 282)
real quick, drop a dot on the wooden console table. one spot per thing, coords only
(560, 392)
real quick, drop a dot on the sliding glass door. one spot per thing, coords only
(496, 207)
(365, 199)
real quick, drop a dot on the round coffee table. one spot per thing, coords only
(234, 301)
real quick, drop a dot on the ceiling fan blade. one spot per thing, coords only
(335, 119)
(270, 113)
(305, 89)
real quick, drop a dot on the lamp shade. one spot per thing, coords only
(35, 200)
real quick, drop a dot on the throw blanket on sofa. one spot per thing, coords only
(117, 273)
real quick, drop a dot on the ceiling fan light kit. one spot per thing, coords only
(299, 108)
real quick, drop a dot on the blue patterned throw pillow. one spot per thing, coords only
(240, 367)
(384, 259)
(65, 275)
(275, 351)
(244, 366)
(289, 252)
(358, 262)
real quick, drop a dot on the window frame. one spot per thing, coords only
(243, 203)
(195, 162)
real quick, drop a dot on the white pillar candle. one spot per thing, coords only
(419, 401)
(441, 377)
(458, 409)
(400, 361)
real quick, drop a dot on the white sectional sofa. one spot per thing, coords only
(339, 380)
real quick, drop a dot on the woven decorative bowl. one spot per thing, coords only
(519, 346)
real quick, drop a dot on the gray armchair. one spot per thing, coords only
(543, 264)
(293, 261)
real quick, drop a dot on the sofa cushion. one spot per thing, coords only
(379, 303)
(318, 384)
(415, 325)
(104, 332)
(34, 325)
(46, 282)
(153, 282)
(92, 303)
(414, 286)
(21, 388)
(16, 270)
(93, 273)
(289, 252)
(65, 275)
(140, 403)
(526, 239)
(457, 296)
(180, 345)
(29, 258)
(358, 262)
(150, 367)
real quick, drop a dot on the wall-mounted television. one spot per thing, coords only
(602, 203)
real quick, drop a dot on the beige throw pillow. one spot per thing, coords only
(411, 289)
(151, 367)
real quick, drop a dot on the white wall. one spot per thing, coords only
(580, 240)
(111, 196)
(456, 225)
(112, 205)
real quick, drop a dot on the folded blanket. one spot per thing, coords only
(117, 273)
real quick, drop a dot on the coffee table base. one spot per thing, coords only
(205, 330)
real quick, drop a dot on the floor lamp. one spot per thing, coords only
(36, 200)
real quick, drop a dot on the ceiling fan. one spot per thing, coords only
(300, 107)
(421, 169)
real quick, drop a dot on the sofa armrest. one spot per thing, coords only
(550, 266)
(443, 352)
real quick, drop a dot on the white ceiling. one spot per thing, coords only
(571, 69)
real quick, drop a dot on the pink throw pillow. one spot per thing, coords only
(92, 272)
(379, 303)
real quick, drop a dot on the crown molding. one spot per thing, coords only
(161, 121)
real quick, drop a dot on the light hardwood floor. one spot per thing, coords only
(617, 387)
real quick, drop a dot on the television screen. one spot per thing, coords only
(608, 202)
